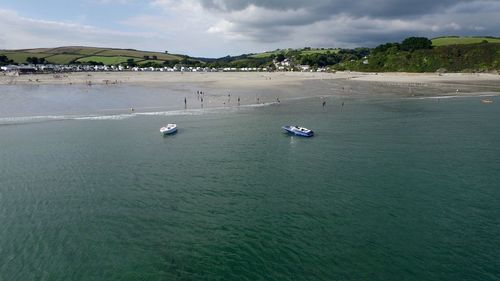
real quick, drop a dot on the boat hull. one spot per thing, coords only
(298, 131)
(168, 132)
(169, 129)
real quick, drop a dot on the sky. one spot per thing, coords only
(216, 28)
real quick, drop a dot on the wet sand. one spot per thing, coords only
(281, 84)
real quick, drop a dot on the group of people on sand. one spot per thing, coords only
(200, 96)
(324, 102)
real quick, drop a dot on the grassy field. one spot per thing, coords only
(35, 51)
(82, 51)
(20, 57)
(108, 60)
(152, 61)
(65, 55)
(138, 54)
(301, 51)
(62, 59)
(266, 54)
(319, 51)
(445, 41)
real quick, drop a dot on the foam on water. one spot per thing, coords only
(122, 116)
(468, 95)
(104, 117)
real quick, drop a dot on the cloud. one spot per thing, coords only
(349, 23)
(221, 27)
(244, 26)
(23, 32)
(326, 8)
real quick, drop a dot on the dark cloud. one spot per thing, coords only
(326, 8)
(354, 23)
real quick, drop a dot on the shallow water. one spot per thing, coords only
(388, 189)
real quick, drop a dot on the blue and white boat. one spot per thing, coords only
(298, 131)
(169, 129)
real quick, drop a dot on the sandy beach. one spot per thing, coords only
(243, 77)
(253, 87)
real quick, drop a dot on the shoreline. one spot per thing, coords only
(137, 94)
(237, 78)
(250, 87)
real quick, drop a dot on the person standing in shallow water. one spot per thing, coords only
(324, 103)
(185, 103)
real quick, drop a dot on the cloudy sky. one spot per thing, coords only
(215, 28)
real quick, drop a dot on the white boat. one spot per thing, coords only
(299, 131)
(169, 129)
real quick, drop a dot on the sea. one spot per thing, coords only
(389, 188)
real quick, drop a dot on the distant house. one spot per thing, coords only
(21, 69)
(304, 67)
(9, 68)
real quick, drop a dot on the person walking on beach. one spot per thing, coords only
(238, 100)
(185, 103)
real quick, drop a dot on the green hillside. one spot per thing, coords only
(303, 51)
(62, 58)
(111, 60)
(455, 40)
(414, 54)
(20, 57)
(80, 54)
(454, 58)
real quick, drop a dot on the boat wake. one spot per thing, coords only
(15, 120)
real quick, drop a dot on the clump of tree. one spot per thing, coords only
(319, 59)
(35, 60)
(185, 61)
(152, 64)
(4, 60)
(91, 62)
(385, 47)
(416, 43)
(171, 63)
(280, 57)
(131, 63)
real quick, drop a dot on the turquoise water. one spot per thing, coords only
(388, 189)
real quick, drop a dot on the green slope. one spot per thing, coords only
(454, 58)
(20, 57)
(303, 51)
(69, 54)
(455, 40)
(107, 60)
